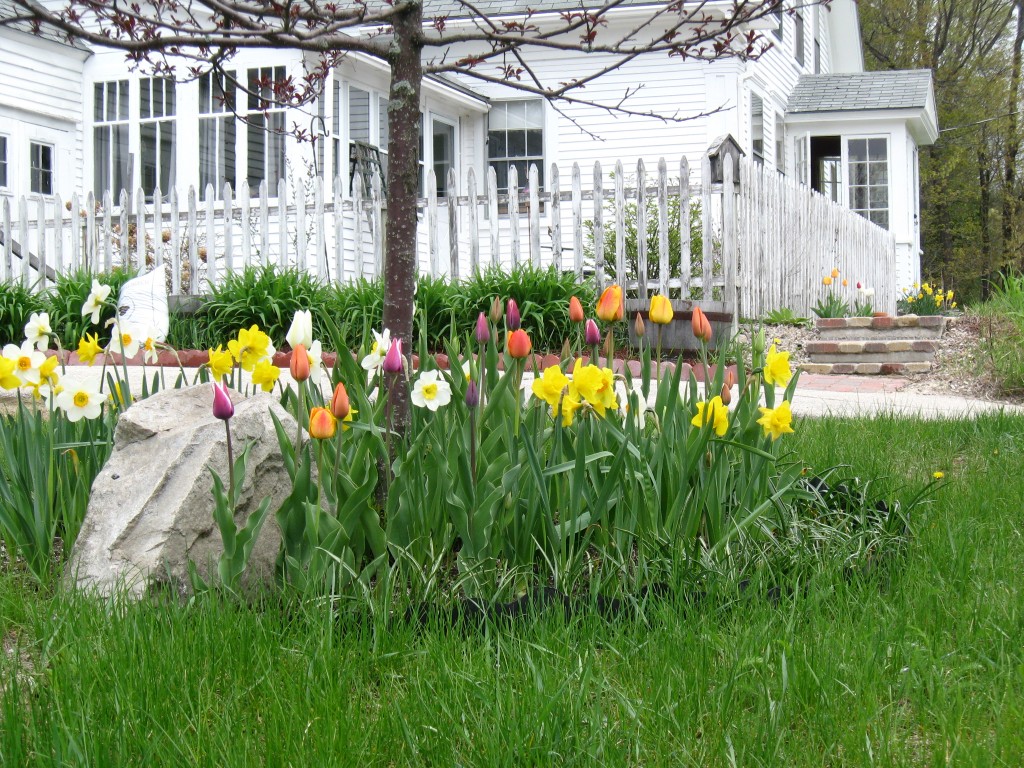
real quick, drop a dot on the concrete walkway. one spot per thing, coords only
(816, 395)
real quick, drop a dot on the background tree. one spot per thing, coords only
(495, 44)
(969, 189)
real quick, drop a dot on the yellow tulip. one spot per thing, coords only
(661, 309)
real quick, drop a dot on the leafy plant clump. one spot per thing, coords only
(64, 302)
(1001, 320)
(17, 303)
(926, 299)
(786, 316)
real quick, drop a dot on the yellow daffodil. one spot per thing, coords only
(595, 385)
(569, 405)
(348, 419)
(8, 380)
(776, 368)
(48, 379)
(221, 362)
(713, 412)
(89, 348)
(265, 375)
(250, 347)
(777, 421)
(550, 385)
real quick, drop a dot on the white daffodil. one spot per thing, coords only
(301, 330)
(125, 341)
(643, 404)
(381, 345)
(79, 401)
(37, 330)
(97, 298)
(149, 345)
(431, 391)
(27, 362)
(316, 362)
(466, 370)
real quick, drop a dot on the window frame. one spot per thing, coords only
(218, 113)
(158, 122)
(850, 186)
(108, 165)
(33, 168)
(5, 162)
(755, 154)
(799, 41)
(530, 158)
(262, 112)
(378, 129)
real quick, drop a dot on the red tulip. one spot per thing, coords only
(519, 344)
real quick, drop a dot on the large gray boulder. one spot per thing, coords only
(151, 507)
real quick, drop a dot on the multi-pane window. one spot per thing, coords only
(367, 124)
(868, 176)
(216, 132)
(110, 137)
(780, 14)
(265, 157)
(798, 38)
(156, 134)
(443, 153)
(336, 127)
(3, 161)
(41, 168)
(515, 138)
(757, 128)
(780, 143)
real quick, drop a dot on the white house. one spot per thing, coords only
(79, 120)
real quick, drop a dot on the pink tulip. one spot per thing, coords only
(592, 334)
(512, 319)
(222, 406)
(483, 330)
(472, 395)
(393, 359)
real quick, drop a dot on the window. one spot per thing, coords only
(443, 156)
(3, 161)
(780, 143)
(367, 125)
(266, 130)
(868, 177)
(156, 134)
(757, 128)
(798, 38)
(216, 132)
(110, 137)
(41, 168)
(515, 137)
(817, 57)
(780, 14)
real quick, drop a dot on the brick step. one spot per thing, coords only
(860, 351)
(868, 369)
(903, 327)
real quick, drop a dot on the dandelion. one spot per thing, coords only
(938, 475)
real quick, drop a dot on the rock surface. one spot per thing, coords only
(151, 507)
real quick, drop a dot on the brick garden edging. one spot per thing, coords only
(875, 345)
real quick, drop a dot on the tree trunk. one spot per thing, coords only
(984, 206)
(400, 268)
(1010, 206)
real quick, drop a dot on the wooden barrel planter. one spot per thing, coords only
(678, 336)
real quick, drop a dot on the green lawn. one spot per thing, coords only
(925, 667)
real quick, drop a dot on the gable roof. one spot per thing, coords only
(846, 92)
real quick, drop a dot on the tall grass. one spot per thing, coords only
(920, 665)
(1002, 324)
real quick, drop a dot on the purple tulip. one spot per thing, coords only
(592, 333)
(512, 316)
(472, 395)
(483, 330)
(222, 407)
(393, 359)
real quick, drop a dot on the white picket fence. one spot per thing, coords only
(766, 241)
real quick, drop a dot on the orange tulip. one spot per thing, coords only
(661, 309)
(322, 424)
(701, 325)
(340, 406)
(519, 344)
(609, 306)
(575, 311)
(300, 363)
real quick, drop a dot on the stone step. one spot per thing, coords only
(903, 327)
(861, 351)
(868, 369)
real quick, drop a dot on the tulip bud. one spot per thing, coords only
(322, 424)
(726, 394)
(519, 344)
(472, 394)
(340, 405)
(609, 347)
(483, 329)
(661, 310)
(566, 350)
(512, 319)
(497, 310)
(638, 326)
(393, 359)
(700, 325)
(300, 363)
(591, 333)
(758, 343)
(575, 310)
(730, 378)
(609, 306)
(223, 409)
(859, 286)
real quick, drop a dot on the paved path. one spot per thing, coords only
(816, 395)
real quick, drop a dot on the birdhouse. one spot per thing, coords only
(720, 148)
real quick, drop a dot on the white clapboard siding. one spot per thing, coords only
(767, 241)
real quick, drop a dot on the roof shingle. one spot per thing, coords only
(896, 89)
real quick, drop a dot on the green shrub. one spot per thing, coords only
(1002, 325)
(65, 300)
(17, 302)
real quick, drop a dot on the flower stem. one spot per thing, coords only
(231, 469)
